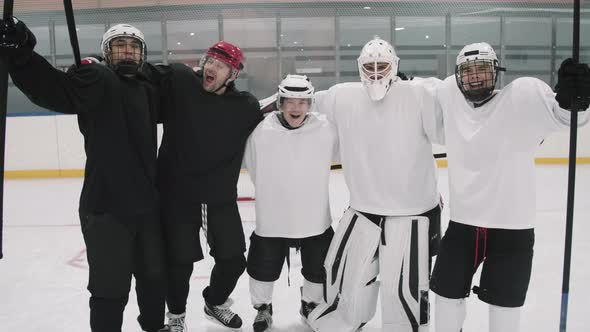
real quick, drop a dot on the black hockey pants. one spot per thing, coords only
(116, 249)
(225, 237)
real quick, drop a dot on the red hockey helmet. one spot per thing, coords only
(228, 53)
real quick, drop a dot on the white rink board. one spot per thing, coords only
(44, 273)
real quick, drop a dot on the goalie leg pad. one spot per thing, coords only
(403, 261)
(351, 270)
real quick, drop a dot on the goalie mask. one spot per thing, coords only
(124, 55)
(295, 99)
(476, 71)
(378, 64)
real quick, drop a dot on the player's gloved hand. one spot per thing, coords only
(16, 40)
(404, 77)
(88, 60)
(573, 85)
(583, 88)
(92, 59)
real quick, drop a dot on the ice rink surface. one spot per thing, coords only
(43, 274)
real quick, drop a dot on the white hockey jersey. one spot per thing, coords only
(385, 146)
(491, 151)
(290, 170)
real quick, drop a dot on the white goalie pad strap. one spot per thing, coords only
(351, 269)
(334, 317)
(347, 313)
(403, 260)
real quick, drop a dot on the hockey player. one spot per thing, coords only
(116, 106)
(288, 157)
(491, 137)
(385, 127)
(206, 124)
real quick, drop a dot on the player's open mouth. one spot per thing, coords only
(209, 78)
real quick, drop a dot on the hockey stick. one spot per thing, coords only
(439, 155)
(72, 30)
(8, 6)
(268, 104)
(571, 181)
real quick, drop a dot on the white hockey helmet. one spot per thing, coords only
(377, 79)
(122, 30)
(476, 71)
(295, 86)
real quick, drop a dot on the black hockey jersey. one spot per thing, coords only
(117, 116)
(204, 138)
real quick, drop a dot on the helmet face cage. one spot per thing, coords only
(375, 71)
(295, 86)
(476, 71)
(233, 71)
(281, 101)
(109, 51)
(122, 30)
(477, 78)
(227, 53)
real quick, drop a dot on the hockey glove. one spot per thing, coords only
(88, 60)
(92, 59)
(573, 85)
(404, 77)
(16, 41)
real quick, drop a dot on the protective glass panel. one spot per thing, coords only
(323, 39)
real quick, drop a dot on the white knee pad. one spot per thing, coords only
(312, 291)
(261, 291)
(351, 270)
(504, 319)
(450, 314)
(404, 274)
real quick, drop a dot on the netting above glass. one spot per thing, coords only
(320, 39)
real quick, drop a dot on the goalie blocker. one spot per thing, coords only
(397, 249)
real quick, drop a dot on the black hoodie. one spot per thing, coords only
(204, 139)
(117, 116)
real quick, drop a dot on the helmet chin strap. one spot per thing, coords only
(224, 85)
(477, 104)
(285, 123)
